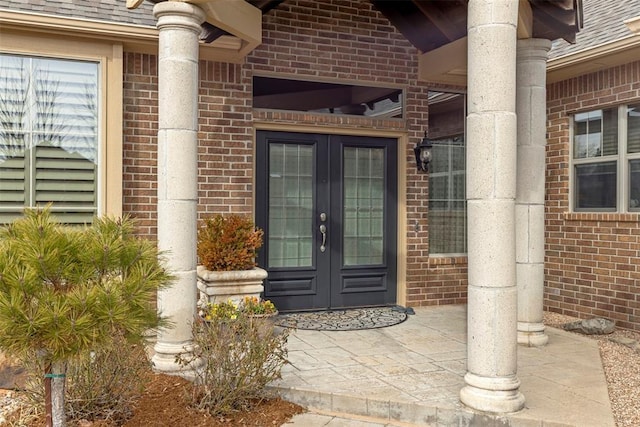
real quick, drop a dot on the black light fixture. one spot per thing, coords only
(423, 153)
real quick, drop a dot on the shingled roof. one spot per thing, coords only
(100, 10)
(603, 23)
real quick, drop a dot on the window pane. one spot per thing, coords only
(290, 204)
(48, 136)
(610, 132)
(634, 184)
(447, 174)
(633, 129)
(595, 186)
(595, 134)
(327, 98)
(363, 215)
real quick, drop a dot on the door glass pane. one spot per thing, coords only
(634, 185)
(290, 237)
(596, 186)
(363, 206)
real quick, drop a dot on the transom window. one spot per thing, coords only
(606, 160)
(48, 136)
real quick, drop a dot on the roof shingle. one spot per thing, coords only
(603, 23)
(101, 10)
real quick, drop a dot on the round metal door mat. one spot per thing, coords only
(345, 320)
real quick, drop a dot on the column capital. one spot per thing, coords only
(177, 14)
(533, 49)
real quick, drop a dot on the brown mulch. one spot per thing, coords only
(163, 404)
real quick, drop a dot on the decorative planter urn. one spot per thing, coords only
(222, 286)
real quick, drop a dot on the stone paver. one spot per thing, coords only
(411, 374)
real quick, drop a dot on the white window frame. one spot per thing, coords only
(622, 159)
(109, 56)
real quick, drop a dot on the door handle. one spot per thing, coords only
(323, 231)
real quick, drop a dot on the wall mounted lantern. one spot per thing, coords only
(423, 153)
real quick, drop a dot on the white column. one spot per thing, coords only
(179, 26)
(491, 381)
(531, 108)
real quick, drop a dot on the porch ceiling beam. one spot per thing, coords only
(237, 17)
(446, 64)
(525, 20)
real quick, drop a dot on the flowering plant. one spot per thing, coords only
(253, 305)
(230, 310)
(220, 311)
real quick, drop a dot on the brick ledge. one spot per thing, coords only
(602, 216)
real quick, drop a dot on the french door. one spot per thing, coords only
(327, 205)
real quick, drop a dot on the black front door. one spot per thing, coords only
(327, 205)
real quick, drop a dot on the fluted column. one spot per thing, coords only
(491, 381)
(531, 107)
(179, 27)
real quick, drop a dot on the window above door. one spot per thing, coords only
(330, 98)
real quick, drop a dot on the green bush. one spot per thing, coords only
(67, 291)
(240, 357)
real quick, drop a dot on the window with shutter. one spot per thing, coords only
(49, 136)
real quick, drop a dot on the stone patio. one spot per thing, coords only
(413, 373)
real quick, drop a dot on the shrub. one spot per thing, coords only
(105, 384)
(228, 243)
(101, 385)
(241, 356)
(65, 291)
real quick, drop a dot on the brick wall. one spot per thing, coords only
(592, 264)
(140, 121)
(337, 41)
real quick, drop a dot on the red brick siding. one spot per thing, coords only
(345, 40)
(592, 264)
(140, 121)
(225, 166)
(446, 284)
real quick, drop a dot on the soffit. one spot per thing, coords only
(431, 24)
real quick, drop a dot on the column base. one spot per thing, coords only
(532, 334)
(499, 395)
(164, 360)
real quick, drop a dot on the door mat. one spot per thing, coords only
(345, 320)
